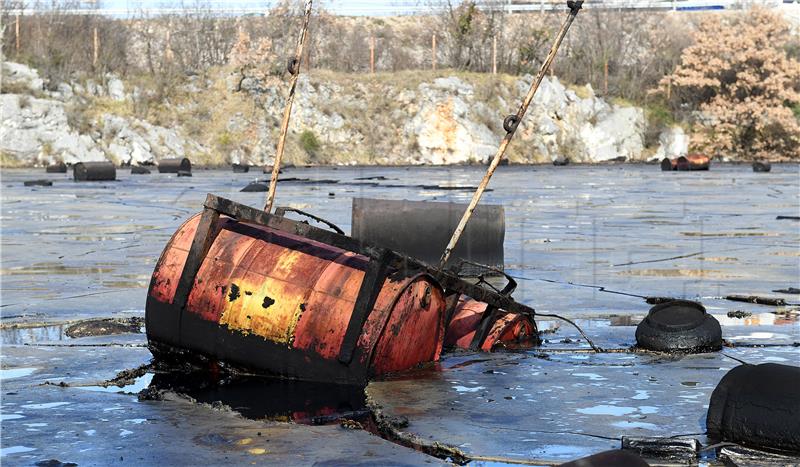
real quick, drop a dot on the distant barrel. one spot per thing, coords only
(761, 166)
(94, 171)
(693, 162)
(679, 325)
(240, 168)
(757, 406)
(173, 166)
(422, 229)
(57, 168)
(667, 164)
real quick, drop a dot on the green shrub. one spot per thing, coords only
(309, 142)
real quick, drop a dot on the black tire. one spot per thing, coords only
(679, 326)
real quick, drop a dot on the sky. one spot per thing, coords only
(344, 7)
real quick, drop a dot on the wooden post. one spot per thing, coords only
(168, 40)
(433, 52)
(294, 70)
(669, 88)
(494, 55)
(16, 29)
(510, 125)
(96, 48)
(605, 78)
(372, 55)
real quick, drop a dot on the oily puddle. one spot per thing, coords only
(253, 397)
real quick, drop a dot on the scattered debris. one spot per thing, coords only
(789, 290)
(240, 168)
(94, 171)
(757, 300)
(139, 170)
(57, 168)
(561, 161)
(184, 173)
(105, 327)
(739, 314)
(663, 448)
(761, 166)
(38, 183)
(788, 218)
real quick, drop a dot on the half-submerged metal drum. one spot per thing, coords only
(507, 330)
(279, 303)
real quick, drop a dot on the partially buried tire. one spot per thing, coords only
(679, 326)
(757, 406)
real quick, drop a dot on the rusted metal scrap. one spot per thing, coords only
(268, 293)
(690, 162)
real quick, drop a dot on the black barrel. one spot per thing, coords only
(679, 325)
(94, 171)
(757, 406)
(422, 229)
(241, 168)
(173, 166)
(57, 168)
(761, 166)
(666, 164)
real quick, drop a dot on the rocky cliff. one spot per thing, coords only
(401, 118)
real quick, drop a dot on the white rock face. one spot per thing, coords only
(17, 73)
(673, 143)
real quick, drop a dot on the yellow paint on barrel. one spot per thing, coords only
(271, 309)
(244, 441)
(257, 451)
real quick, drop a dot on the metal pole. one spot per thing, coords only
(294, 69)
(510, 125)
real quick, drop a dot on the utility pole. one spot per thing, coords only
(96, 48)
(494, 55)
(372, 55)
(16, 30)
(433, 52)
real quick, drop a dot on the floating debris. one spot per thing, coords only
(240, 168)
(105, 327)
(757, 300)
(57, 168)
(38, 183)
(762, 166)
(139, 170)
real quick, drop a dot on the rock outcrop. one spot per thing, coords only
(400, 119)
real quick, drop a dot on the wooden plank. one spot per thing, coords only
(203, 238)
(371, 286)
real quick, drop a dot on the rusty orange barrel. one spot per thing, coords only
(278, 303)
(510, 330)
(693, 162)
